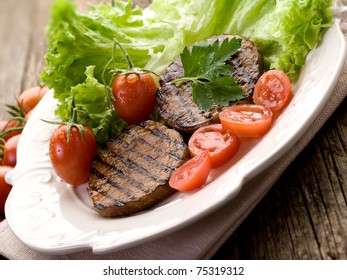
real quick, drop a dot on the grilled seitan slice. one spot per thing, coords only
(131, 173)
(175, 104)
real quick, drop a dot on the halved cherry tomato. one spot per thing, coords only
(192, 174)
(219, 142)
(247, 120)
(10, 151)
(5, 188)
(30, 97)
(134, 96)
(72, 158)
(273, 89)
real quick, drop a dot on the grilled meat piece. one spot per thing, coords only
(131, 173)
(247, 64)
(175, 104)
(177, 108)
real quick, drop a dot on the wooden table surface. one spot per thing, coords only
(304, 216)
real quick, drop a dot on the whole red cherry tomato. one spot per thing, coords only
(133, 91)
(5, 188)
(134, 96)
(30, 97)
(9, 128)
(9, 156)
(71, 153)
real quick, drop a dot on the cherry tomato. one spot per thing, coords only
(247, 120)
(219, 142)
(5, 188)
(10, 151)
(192, 174)
(134, 96)
(71, 159)
(5, 125)
(30, 97)
(27, 115)
(273, 89)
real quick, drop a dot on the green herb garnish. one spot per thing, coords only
(205, 66)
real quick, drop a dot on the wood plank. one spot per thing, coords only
(37, 44)
(23, 48)
(14, 47)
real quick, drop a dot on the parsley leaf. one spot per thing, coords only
(204, 65)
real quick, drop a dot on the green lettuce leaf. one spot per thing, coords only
(79, 40)
(284, 32)
(93, 107)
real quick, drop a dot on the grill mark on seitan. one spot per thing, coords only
(166, 138)
(131, 174)
(151, 157)
(120, 176)
(174, 71)
(154, 150)
(117, 189)
(131, 165)
(111, 182)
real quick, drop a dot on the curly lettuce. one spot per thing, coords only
(94, 107)
(79, 41)
(285, 31)
(81, 44)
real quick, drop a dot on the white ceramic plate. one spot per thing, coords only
(49, 216)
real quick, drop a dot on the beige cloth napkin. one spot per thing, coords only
(202, 239)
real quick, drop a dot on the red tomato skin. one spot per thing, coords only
(5, 188)
(72, 159)
(192, 174)
(221, 143)
(273, 89)
(28, 115)
(247, 120)
(30, 97)
(6, 125)
(134, 96)
(10, 151)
